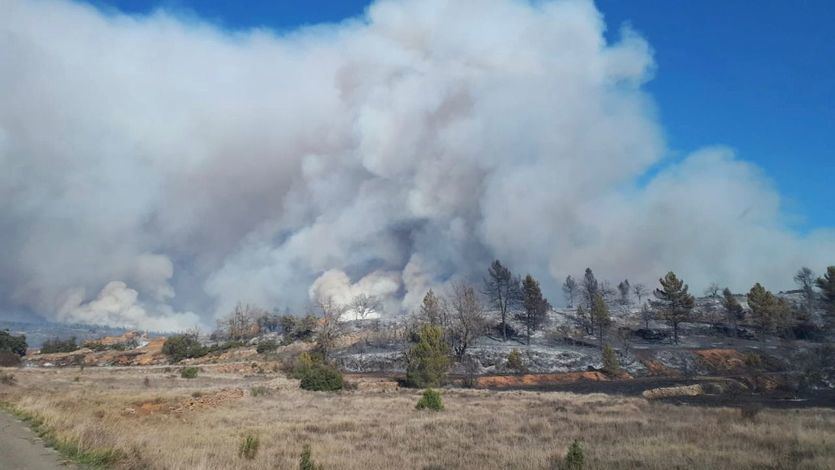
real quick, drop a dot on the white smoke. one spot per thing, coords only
(383, 155)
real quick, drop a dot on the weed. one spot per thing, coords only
(430, 400)
(249, 447)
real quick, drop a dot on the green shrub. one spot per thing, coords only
(249, 447)
(574, 457)
(56, 345)
(515, 361)
(12, 344)
(611, 365)
(431, 400)
(427, 361)
(266, 347)
(302, 364)
(189, 372)
(321, 377)
(306, 461)
(181, 347)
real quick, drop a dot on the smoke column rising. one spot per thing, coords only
(156, 166)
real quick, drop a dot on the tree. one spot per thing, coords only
(569, 288)
(827, 286)
(584, 320)
(600, 317)
(640, 291)
(242, 322)
(674, 302)
(183, 346)
(646, 315)
(363, 305)
(503, 291)
(329, 327)
(712, 290)
(427, 361)
(771, 313)
(609, 293)
(805, 280)
(468, 320)
(611, 364)
(12, 344)
(268, 322)
(733, 309)
(535, 306)
(589, 287)
(431, 310)
(623, 289)
(58, 345)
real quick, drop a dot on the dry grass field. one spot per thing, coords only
(153, 418)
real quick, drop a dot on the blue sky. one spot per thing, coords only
(758, 79)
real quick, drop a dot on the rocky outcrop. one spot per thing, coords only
(149, 354)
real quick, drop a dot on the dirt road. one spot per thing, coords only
(21, 449)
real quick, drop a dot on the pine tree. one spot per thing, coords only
(733, 310)
(427, 361)
(504, 292)
(623, 288)
(611, 364)
(569, 288)
(589, 288)
(674, 302)
(430, 310)
(772, 314)
(600, 316)
(535, 306)
(827, 286)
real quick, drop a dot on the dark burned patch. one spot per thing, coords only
(819, 399)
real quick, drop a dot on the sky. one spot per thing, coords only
(161, 162)
(760, 80)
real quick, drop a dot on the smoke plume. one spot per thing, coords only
(156, 170)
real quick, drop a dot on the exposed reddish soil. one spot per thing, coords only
(721, 360)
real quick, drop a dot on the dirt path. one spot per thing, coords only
(21, 449)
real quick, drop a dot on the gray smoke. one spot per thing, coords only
(155, 166)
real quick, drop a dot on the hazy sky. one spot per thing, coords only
(159, 164)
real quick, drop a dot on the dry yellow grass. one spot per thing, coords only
(363, 430)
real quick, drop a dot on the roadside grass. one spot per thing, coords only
(69, 449)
